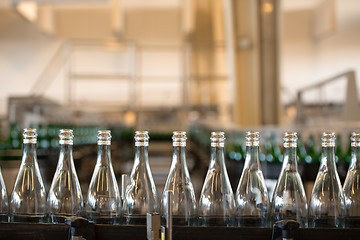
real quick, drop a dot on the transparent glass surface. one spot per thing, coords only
(352, 185)
(140, 195)
(184, 205)
(216, 204)
(326, 206)
(103, 197)
(252, 201)
(65, 197)
(4, 200)
(289, 199)
(28, 198)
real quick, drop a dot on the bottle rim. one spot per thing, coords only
(66, 136)
(179, 138)
(29, 135)
(290, 139)
(104, 137)
(217, 139)
(252, 139)
(355, 139)
(328, 139)
(141, 138)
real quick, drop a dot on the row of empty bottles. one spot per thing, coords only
(329, 205)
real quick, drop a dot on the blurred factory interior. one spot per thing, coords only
(165, 65)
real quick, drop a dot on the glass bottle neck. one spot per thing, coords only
(29, 153)
(328, 157)
(217, 156)
(355, 158)
(252, 157)
(66, 155)
(179, 154)
(290, 159)
(141, 154)
(104, 154)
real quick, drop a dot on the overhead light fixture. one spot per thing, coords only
(267, 7)
(28, 9)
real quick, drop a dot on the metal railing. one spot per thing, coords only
(349, 108)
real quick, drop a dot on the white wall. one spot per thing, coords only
(307, 58)
(296, 52)
(340, 50)
(24, 54)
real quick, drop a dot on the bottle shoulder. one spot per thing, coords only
(251, 189)
(289, 188)
(216, 190)
(327, 189)
(352, 183)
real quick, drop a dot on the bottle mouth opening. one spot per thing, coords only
(217, 139)
(328, 139)
(104, 137)
(355, 139)
(252, 139)
(179, 138)
(141, 136)
(141, 139)
(29, 135)
(66, 136)
(290, 139)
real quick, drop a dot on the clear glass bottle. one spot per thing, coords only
(216, 204)
(28, 198)
(289, 199)
(103, 197)
(141, 195)
(327, 206)
(352, 185)
(4, 201)
(252, 200)
(184, 203)
(65, 198)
